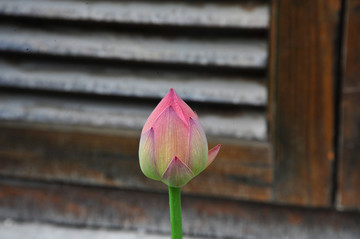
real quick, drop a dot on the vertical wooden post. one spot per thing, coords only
(302, 80)
(348, 196)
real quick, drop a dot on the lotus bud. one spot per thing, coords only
(173, 147)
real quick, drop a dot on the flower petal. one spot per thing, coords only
(147, 155)
(171, 138)
(177, 173)
(179, 106)
(198, 147)
(212, 154)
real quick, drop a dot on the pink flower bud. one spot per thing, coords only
(173, 146)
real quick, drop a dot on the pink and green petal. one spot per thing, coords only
(147, 155)
(198, 148)
(212, 154)
(179, 106)
(171, 138)
(177, 173)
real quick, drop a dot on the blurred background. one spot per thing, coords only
(276, 82)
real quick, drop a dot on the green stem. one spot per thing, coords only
(175, 212)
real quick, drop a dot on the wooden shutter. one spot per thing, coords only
(79, 79)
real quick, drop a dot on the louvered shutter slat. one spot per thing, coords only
(95, 43)
(136, 81)
(251, 15)
(118, 115)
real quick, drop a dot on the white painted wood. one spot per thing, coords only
(121, 115)
(102, 44)
(135, 82)
(15, 230)
(236, 14)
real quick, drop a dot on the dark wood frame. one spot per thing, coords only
(302, 78)
(348, 193)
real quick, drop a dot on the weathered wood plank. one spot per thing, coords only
(304, 113)
(138, 81)
(81, 156)
(348, 195)
(121, 115)
(148, 212)
(17, 230)
(243, 14)
(97, 43)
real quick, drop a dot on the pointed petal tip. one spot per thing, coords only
(177, 173)
(148, 132)
(194, 120)
(174, 96)
(216, 149)
(169, 97)
(176, 160)
(172, 92)
(212, 154)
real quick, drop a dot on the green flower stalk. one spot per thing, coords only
(173, 149)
